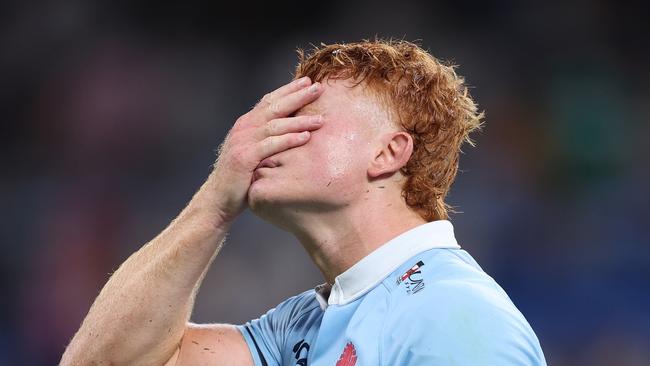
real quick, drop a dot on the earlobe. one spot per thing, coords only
(394, 153)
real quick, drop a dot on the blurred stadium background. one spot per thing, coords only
(112, 112)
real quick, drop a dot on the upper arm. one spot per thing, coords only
(211, 344)
(224, 344)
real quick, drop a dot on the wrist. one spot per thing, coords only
(213, 196)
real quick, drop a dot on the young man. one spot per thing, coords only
(355, 158)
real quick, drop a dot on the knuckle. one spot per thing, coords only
(305, 121)
(267, 98)
(267, 145)
(243, 120)
(301, 124)
(275, 108)
(271, 128)
(297, 139)
(289, 140)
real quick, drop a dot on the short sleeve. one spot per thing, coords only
(459, 325)
(266, 335)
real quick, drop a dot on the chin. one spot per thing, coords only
(277, 205)
(272, 209)
(284, 203)
(264, 197)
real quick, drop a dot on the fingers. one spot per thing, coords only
(291, 87)
(282, 126)
(275, 144)
(287, 104)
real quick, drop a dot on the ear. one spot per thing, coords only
(395, 151)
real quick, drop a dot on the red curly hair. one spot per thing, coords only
(424, 95)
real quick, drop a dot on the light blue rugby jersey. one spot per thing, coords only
(417, 300)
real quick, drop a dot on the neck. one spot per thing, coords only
(337, 240)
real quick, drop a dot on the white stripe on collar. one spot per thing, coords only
(373, 268)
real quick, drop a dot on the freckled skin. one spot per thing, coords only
(330, 171)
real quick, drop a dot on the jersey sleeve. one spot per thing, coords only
(458, 324)
(266, 335)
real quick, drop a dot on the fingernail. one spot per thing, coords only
(314, 87)
(303, 81)
(304, 135)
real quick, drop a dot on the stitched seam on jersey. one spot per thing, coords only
(479, 269)
(305, 312)
(293, 324)
(495, 284)
(259, 351)
(461, 258)
(383, 325)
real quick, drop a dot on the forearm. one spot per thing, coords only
(141, 313)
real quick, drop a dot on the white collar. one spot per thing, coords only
(373, 268)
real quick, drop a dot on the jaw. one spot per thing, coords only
(292, 210)
(290, 214)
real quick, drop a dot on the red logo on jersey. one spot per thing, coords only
(348, 357)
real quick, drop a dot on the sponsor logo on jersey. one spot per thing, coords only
(412, 279)
(301, 349)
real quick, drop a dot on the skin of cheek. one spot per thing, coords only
(340, 157)
(342, 167)
(353, 144)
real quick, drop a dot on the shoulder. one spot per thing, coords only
(300, 302)
(286, 313)
(441, 273)
(451, 307)
(445, 286)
